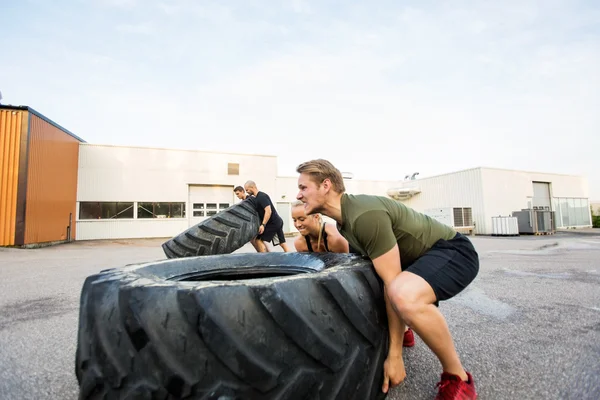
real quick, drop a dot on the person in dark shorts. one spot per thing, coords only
(420, 261)
(316, 236)
(271, 227)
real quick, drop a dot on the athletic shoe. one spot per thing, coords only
(451, 387)
(409, 338)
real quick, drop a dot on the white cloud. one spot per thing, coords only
(301, 7)
(145, 28)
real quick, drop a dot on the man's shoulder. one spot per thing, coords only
(262, 194)
(357, 204)
(263, 198)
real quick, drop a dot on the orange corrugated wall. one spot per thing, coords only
(51, 183)
(11, 122)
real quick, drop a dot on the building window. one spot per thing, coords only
(208, 209)
(105, 210)
(233, 169)
(571, 212)
(161, 210)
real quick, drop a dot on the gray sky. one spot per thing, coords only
(382, 88)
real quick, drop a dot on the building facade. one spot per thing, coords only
(38, 178)
(477, 195)
(135, 192)
(55, 187)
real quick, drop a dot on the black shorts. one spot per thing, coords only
(449, 266)
(273, 233)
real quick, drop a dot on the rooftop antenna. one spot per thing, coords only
(412, 178)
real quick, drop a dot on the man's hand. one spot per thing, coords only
(261, 229)
(393, 372)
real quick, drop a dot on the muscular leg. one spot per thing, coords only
(413, 299)
(255, 245)
(285, 247)
(260, 246)
(265, 247)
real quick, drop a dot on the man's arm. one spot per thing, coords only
(267, 216)
(374, 232)
(388, 268)
(263, 201)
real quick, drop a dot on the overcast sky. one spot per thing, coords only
(380, 88)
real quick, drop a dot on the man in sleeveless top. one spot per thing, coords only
(271, 227)
(420, 261)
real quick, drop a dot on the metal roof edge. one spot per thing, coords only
(176, 149)
(43, 117)
(533, 172)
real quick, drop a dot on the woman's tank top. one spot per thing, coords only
(323, 236)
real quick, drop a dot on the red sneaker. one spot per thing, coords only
(409, 338)
(451, 387)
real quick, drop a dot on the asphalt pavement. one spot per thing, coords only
(527, 328)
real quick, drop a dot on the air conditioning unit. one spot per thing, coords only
(456, 217)
(535, 221)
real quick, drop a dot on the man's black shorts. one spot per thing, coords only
(449, 266)
(273, 233)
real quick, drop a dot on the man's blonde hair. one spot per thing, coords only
(319, 170)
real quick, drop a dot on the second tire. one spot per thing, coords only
(222, 233)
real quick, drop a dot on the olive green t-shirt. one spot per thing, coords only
(374, 224)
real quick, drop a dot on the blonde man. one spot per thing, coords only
(420, 261)
(316, 236)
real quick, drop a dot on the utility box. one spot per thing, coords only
(459, 218)
(535, 221)
(505, 226)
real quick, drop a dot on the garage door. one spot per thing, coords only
(541, 195)
(206, 201)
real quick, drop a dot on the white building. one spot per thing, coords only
(479, 194)
(135, 192)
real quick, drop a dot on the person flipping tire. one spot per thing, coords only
(317, 237)
(420, 261)
(271, 227)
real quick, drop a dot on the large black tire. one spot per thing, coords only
(222, 233)
(239, 326)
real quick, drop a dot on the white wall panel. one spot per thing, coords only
(459, 189)
(130, 228)
(113, 173)
(378, 188)
(506, 191)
